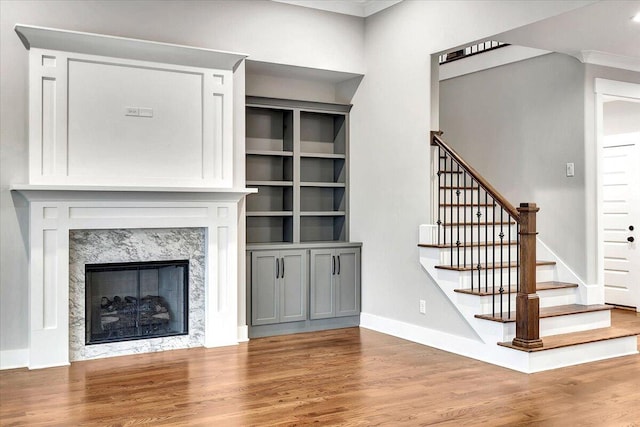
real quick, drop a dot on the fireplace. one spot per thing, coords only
(134, 300)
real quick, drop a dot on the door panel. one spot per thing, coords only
(322, 284)
(348, 282)
(264, 288)
(621, 192)
(293, 297)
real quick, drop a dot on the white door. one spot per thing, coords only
(621, 208)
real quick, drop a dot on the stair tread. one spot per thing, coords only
(466, 245)
(490, 266)
(541, 286)
(576, 338)
(559, 310)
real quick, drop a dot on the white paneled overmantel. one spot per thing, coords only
(107, 110)
(55, 211)
(130, 136)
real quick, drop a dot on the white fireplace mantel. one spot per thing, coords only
(55, 210)
(129, 134)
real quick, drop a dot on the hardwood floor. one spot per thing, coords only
(351, 377)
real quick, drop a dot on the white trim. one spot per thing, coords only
(609, 60)
(243, 333)
(617, 88)
(123, 47)
(12, 359)
(52, 214)
(602, 89)
(502, 356)
(362, 8)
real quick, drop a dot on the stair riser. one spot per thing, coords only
(477, 233)
(551, 325)
(463, 279)
(574, 323)
(548, 298)
(463, 256)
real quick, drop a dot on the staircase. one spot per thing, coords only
(529, 314)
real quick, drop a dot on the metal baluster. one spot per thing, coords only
(464, 221)
(479, 215)
(439, 191)
(518, 256)
(451, 205)
(471, 233)
(458, 216)
(493, 262)
(486, 244)
(501, 235)
(509, 264)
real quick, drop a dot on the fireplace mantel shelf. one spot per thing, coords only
(37, 191)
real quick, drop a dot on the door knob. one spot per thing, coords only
(631, 228)
(630, 239)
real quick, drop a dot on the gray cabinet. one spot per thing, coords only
(279, 283)
(335, 283)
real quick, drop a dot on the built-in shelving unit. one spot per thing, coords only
(297, 159)
(303, 272)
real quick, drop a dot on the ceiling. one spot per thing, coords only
(601, 33)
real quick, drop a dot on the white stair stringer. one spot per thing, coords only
(490, 332)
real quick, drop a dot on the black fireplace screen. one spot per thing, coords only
(128, 301)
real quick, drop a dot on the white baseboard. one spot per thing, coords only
(462, 346)
(11, 359)
(243, 333)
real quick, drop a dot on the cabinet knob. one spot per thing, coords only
(630, 239)
(631, 228)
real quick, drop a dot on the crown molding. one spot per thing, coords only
(595, 57)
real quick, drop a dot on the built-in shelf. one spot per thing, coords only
(269, 153)
(270, 213)
(324, 155)
(323, 184)
(270, 183)
(322, 213)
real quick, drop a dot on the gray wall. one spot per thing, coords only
(518, 125)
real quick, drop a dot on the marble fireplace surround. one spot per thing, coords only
(54, 211)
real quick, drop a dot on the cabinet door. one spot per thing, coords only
(264, 287)
(322, 284)
(293, 286)
(347, 282)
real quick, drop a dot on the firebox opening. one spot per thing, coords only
(136, 300)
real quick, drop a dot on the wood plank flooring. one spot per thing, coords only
(346, 377)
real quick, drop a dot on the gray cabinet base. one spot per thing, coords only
(303, 326)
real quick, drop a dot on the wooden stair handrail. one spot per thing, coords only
(499, 198)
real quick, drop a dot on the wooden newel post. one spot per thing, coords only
(527, 301)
